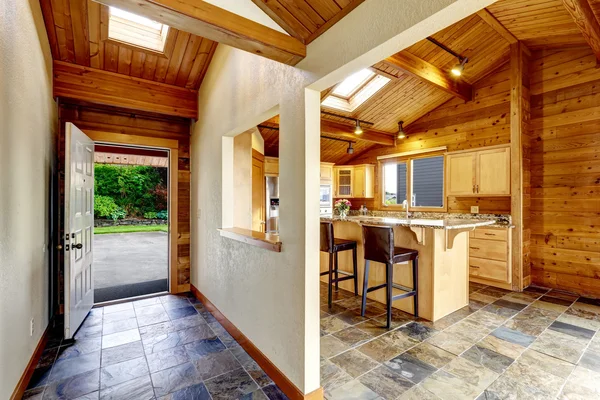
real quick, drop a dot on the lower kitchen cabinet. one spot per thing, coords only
(490, 258)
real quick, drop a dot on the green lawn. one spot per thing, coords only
(130, 228)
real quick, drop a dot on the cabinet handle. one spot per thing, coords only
(477, 188)
(490, 234)
(474, 248)
(473, 188)
(473, 266)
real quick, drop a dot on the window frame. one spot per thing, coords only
(350, 104)
(409, 185)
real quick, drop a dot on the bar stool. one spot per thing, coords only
(333, 246)
(378, 244)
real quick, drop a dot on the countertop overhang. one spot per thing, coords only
(267, 241)
(447, 224)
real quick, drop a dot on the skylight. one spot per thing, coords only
(355, 90)
(136, 30)
(352, 83)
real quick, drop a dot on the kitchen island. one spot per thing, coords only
(443, 246)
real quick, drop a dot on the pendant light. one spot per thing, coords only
(350, 149)
(357, 129)
(457, 70)
(401, 133)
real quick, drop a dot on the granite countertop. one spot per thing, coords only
(447, 223)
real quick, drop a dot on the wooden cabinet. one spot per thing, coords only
(326, 173)
(489, 257)
(272, 166)
(477, 173)
(354, 181)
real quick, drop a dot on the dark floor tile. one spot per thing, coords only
(572, 330)
(500, 310)
(122, 353)
(87, 333)
(274, 393)
(203, 347)
(351, 317)
(156, 343)
(40, 377)
(231, 385)
(176, 378)
(123, 372)
(188, 322)
(417, 331)
(173, 301)
(590, 360)
(513, 336)
(139, 389)
(385, 382)
(78, 348)
(509, 304)
(556, 300)
(354, 363)
(74, 386)
(494, 292)
(73, 366)
(587, 300)
(563, 294)
(195, 392)
(223, 335)
(195, 333)
(410, 367)
(536, 289)
(255, 371)
(334, 309)
(208, 317)
(213, 364)
(488, 358)
(167, 358)
(176, 313)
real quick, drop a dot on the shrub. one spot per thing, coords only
(150, 215)
(164, 214)
(104, 206)
(118, 214)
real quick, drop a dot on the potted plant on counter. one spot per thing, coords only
(342, 206)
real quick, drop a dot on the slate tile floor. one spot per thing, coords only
(163, 348)
(539, 344)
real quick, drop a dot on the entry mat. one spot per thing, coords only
(131, 290)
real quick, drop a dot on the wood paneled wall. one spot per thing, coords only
(459, 125)
(565, 170)
(153, 126)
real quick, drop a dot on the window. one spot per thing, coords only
(420, 179)
(355, 90)
(133, 29)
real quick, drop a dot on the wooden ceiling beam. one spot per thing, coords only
(586, 21)
(214, 23)
(429, 73)
(346, 131)
(489, 19)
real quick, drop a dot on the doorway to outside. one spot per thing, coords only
(131, 238)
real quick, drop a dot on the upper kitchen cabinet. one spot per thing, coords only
(483, 172)
(326, 172)
(354, 181)
(271, 166)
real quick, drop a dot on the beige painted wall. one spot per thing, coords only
(27, 132)
(242, 180)
(273, 298)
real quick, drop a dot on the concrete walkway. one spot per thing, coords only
(127, 258)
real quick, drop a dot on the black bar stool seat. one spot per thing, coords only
(332, 245)
(379, 246)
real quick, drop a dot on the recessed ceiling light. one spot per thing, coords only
(457, 70)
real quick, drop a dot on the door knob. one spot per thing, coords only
(78, 246)
(59, 247)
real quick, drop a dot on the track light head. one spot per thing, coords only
(357, 129)
(350, 149)
(401, 133)
(457, 70)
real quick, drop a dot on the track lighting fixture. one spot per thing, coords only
(350, 149)
(401, 133)
(358, 130)
(458, 68)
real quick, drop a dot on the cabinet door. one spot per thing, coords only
(326, 172)
(358, 185)
(344, 182)
(460, 174)
(493, 172)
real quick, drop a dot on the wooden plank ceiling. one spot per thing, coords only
(306, 19)
(77, 32)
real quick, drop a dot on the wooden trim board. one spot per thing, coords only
(270, 369)
(33, 361)
(173, 220)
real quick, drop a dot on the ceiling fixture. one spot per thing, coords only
(350, 149)
(357, 129)
(401, 133)
(457, 70)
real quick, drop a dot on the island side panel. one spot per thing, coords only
(403, 237)
(451, 273)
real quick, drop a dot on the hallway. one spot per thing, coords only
(167, 347)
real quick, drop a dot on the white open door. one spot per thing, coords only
(79, 227)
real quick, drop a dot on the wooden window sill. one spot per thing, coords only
(267, 241)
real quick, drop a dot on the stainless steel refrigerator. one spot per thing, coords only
(272, 205)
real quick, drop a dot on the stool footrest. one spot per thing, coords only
(403, 295)
(324, 273)
(345, 278)
(345, 272)
(400, 287)
(376, 287)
